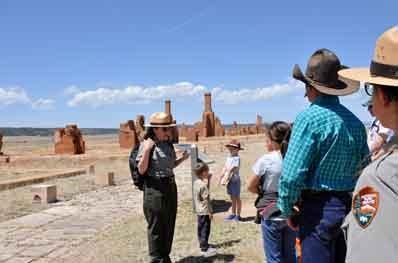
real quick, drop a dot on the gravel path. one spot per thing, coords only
(51, 235)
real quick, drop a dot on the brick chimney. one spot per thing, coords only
(208, 102)
(167, 105)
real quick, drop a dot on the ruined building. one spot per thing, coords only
(128, 138)
(139, 127)
(69, 140)
(238, 130)
(211, 124)
(174, 131)
(208, 127)
(1, 143)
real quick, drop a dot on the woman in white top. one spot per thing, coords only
(279, 240)
(378, 135)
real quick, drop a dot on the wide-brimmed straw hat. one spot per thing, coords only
(321, 73)
(235, 144)
(160, 119)
(383, 68)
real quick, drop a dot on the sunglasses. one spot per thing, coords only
(165, 129)
(369, 89)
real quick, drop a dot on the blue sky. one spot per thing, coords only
(98, 63)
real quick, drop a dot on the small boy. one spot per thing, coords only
(203, 208)
(231, 178)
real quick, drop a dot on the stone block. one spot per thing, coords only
(44, 193)
(105, 179)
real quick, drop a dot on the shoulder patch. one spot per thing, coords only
(365, 204)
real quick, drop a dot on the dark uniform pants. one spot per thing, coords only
(321, 236)
(160, 209)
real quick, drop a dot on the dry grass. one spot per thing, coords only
(235, 242)
(126, 242)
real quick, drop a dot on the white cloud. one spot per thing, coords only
(144, 95)
(71, 90)
(15, 95)
(135, 94)
(258, 94)
(18, 95)
(43, 104)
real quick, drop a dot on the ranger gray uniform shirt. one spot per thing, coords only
(163, 160)
(372, 225)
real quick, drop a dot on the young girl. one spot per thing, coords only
(231, 178)
(279, 240)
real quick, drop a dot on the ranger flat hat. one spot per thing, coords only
(160, 119)
(383, 68)
(321, 73)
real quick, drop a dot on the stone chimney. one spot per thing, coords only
(208, 102)
(167, 105)
(259, 121)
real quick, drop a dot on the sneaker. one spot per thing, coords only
(237, 219)
(210, 252)
(230, 217)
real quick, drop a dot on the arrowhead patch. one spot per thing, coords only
(365, 204)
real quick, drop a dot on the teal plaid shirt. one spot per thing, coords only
(326, 150)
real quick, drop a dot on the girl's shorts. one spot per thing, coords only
(233, 187)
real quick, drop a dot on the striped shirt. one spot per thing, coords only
(327, 149)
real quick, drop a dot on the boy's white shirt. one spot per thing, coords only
(231, 168)
(231, 163)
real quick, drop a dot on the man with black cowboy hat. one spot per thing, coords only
(372, 225)
(156, 161)
(326, 148)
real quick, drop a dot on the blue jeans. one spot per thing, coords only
(279, 241)
(322, 239)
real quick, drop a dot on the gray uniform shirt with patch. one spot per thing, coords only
(378, 241)
(163, 160)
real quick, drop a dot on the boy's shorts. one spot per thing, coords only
(233, 187)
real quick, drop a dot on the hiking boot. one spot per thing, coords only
(230, 217)
(210, 252)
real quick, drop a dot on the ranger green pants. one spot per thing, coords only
(160, 209)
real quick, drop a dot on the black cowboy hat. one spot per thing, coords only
(321, 73)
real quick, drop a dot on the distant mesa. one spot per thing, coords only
(69, 140)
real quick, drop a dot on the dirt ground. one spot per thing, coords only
(126, 241)
(235, 242)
